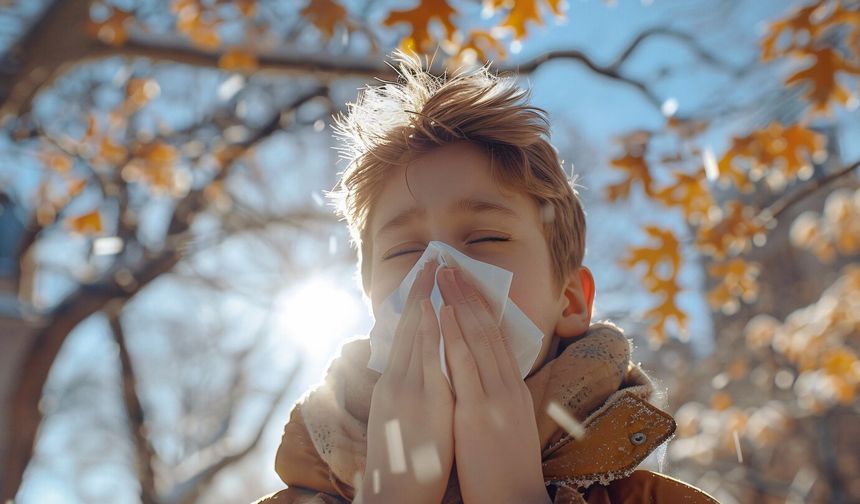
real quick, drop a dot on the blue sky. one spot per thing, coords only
(587, 111)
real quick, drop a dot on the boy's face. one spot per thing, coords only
(441, 181)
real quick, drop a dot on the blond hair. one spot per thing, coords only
(393, 123)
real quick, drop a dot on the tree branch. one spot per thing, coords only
(686, 38)
(192, 488)
(55, 42)
(25, 414)
(787, 201)
(145, 453)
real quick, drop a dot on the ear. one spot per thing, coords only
(576, 301)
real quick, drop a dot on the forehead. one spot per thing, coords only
(437, 180)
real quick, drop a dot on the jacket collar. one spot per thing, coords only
(617, 438)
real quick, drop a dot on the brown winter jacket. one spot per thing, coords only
(322, 452)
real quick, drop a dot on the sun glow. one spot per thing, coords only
(316, 315)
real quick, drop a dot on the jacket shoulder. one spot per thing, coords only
(298, 495)
(647, 486)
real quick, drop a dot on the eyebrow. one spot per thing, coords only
(465, 205)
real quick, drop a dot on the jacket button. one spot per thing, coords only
(638, 438)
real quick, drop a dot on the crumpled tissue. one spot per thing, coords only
(524, 336)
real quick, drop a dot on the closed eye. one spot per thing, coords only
(484, 239)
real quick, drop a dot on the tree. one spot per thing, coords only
(108, 156)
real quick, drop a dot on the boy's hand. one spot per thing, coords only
(410, 443)
(496, 441)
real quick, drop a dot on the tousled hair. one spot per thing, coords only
(393, 123)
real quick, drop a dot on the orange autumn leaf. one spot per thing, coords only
(419, 19)
(139, 92)
(522, 12)
(774, 148)
(76, 186)
(325, 15)
(110, 152)
(154, 165)
(821, 78)
(238, 60)
(662, 264)
(721, 401)
(690, 193)
(248, 7)
(637, 171)
(665, 251)
(737, 280)
(481, 42)
(57, 161)
(795, 25)
(840, 361)
(114, 29)
(733, 233)
(88, 223)
(192, 21)
(661, 314)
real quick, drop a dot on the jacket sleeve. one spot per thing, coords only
(298, 495)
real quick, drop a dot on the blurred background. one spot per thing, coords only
(172, 278)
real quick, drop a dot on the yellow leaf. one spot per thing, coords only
(774, 148)
(248, 7)
(737, 280)
(325, 15)
(205, 36)
(661, 314)
(839, 361)
(721, 401)
(690, 192)
(797, 23)
(666, 251)
(110, 152)
(114, 29)
(520, 14)
(153, 164)
(662, 262)
(637, 171)
(821, 79)
(419, 19)
(57, 161)
(139, 92)
(481, 42)
(731, 234)
(88, 223)
(238, 60)
(76, 186)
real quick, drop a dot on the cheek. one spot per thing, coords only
(533, 298)
(383, 282)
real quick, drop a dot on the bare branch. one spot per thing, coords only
(605, 71)
(54, 43)
(134, 411)
(191, 489)
(25, 416)
(686, 38)
(786, 201)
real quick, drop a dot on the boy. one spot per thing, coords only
(467, 162)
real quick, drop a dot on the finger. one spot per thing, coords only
(415, 372)
(473, 332)
(462, 367)
(431, 362)
(509, 368)
(404, 335)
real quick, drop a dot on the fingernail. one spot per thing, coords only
(449, 274)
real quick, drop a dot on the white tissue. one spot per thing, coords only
(524, 336)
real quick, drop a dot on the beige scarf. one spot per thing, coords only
(324, 443)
